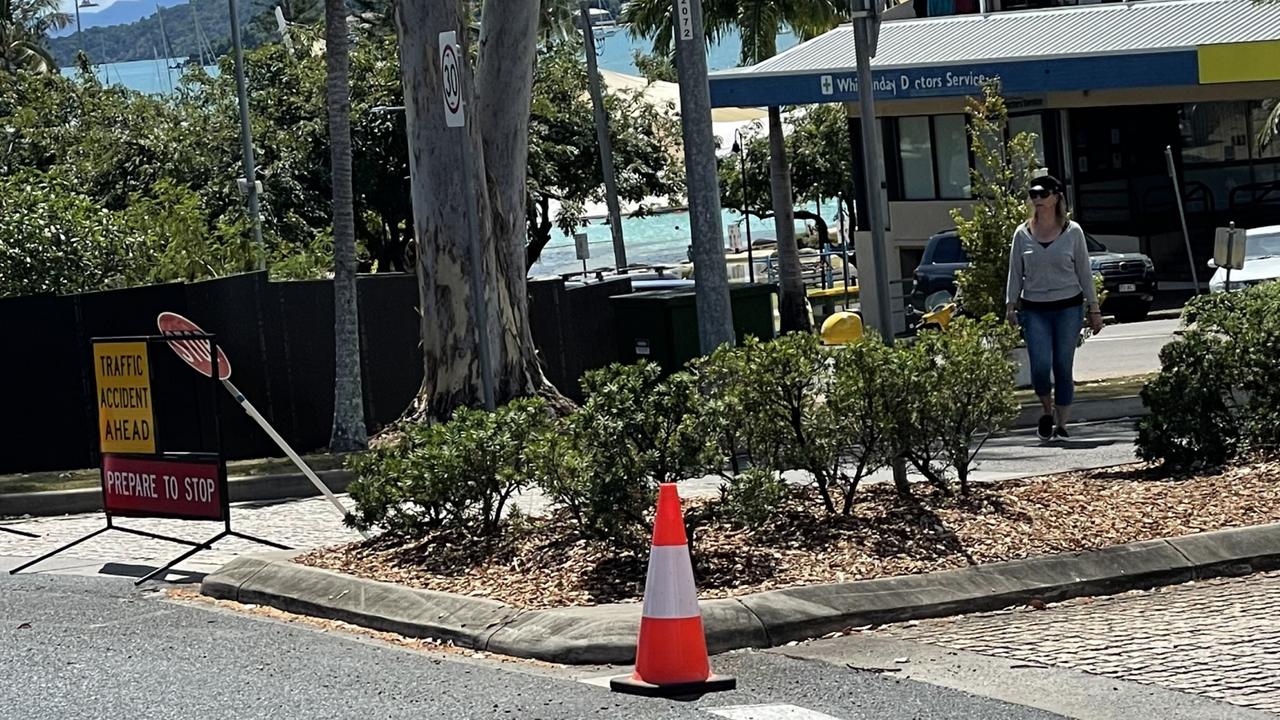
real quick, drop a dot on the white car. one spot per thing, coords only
(1261, 261)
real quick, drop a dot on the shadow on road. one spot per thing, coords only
(130, 570)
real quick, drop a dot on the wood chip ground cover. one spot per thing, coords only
(542, 564)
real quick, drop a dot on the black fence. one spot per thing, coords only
(279, 338)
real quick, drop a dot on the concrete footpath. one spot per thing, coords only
(1104, 428)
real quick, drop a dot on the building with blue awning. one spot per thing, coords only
(1105, 87)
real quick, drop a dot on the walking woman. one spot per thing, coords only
(1050, 280)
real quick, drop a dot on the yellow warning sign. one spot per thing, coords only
(126, 416)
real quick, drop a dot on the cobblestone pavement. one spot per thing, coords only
(1217, 638)
(304, 523)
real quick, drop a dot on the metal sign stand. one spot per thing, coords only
(207, 457)
(1186, 233)
(179, 330)
(253, 413)
(23, 533)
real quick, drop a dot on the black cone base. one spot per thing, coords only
(631, 685)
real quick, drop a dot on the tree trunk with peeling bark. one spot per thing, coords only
(496, 99)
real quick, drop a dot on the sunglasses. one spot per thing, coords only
(1037, 193)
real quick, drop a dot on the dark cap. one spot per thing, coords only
(1047, 182)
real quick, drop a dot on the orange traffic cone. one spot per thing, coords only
(671, 653)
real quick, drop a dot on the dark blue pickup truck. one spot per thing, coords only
(1129, 278)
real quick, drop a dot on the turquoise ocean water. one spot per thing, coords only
(662, 238)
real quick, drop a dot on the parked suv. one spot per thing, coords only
(1129, 278)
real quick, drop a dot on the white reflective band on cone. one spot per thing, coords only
(669, 592)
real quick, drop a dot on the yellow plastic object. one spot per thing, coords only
(939, 318)
(839, 291)
(842, 328)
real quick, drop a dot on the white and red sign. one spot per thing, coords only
(150, 487)
(451, 80)
(193, 351)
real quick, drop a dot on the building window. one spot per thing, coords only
(953, 156)
(933, 157)
(1034, 125)
(915, 150)
(1215, 132)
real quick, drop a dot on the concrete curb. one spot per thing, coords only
(243, 489)
(1089, 411)
(606, 633)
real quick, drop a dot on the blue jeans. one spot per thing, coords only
(1051, 337)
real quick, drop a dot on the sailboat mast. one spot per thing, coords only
(106, 67)
(159, 80)
(168, 51)
(195, 22)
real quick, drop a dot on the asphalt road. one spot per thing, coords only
(74, 647)
(1126, 349)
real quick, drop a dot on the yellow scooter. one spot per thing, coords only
(940, 308)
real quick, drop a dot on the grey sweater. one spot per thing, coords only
(1045, 274)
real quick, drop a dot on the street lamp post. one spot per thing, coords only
(740, 147)
(250, 187)
(79, 31)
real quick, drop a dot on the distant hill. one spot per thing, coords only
(140, 39)
(121, 12)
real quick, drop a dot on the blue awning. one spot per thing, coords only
(1110, 46)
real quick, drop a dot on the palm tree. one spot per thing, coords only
(557, 20)
(1270, 129)
(758, 23)
(23, 27)
(348, 398)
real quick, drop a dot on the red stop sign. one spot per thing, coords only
(194, 352)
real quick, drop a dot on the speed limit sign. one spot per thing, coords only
(451, 80)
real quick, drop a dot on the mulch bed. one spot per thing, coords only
(540, 563)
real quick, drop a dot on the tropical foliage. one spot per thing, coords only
(64, 133)
(564, 158)
(821, 167)
(23, 27)
(759, 22)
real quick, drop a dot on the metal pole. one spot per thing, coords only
(79, 32)
(873, 165)
(844, 247)
(606, 145)
(253, 413)
(711, 276)
(1231, 242)
(746, 217)
(481, 309)
(246, 136)
(1186, 234)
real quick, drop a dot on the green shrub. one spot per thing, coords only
(777, 393)
(751, 497)
(1217, 398)
(872, 386)
(1194, 419)
(458, 475)
(962, 393)
(635, 430)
